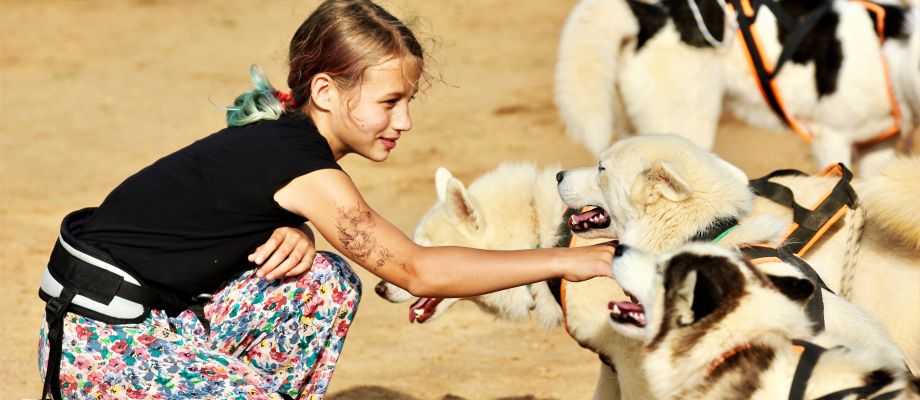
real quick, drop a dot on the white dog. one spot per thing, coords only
(637, 66)
(660, 191)
(716, 327)
(516, 206)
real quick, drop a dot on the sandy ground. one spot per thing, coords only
(91, 91)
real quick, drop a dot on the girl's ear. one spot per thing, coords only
(323, 91)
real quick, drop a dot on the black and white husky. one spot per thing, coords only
(646, 66)
(715, 327)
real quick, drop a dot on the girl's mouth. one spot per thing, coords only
(388, 144)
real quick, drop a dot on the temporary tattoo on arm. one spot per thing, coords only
(356, 232)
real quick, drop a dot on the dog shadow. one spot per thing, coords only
(382, 393)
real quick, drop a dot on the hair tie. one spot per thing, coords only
(285, 98)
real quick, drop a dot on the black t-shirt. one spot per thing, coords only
(187, 222)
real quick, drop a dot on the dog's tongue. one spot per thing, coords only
(422, 309)
(578, 222)
(627, 312)
(626, 306)
(579, 218)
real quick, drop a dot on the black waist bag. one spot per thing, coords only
(87, 281)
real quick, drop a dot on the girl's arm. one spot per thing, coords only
(332, 203)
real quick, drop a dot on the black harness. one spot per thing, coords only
(808, 225)
(815, 305)
(808, 222)
(807, 363)
(86, 281)
(799, 28)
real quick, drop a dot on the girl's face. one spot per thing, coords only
(372, 117)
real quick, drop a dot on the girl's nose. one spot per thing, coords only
(402, 121)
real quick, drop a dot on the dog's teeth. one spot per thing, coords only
(418, 311)
(616, 309)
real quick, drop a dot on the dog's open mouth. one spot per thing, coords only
(422, 309)
(595, 218)
(627, 312)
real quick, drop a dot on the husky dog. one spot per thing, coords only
(516, 206)
(660, 191)
(715, 327)
(636, 66)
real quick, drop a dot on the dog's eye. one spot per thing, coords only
(600, 168)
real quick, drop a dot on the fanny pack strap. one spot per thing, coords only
(86, 281)
(55, 309)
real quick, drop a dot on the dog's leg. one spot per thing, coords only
(830, 146)
(608, 384)
(874, 156)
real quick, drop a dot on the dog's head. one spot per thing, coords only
(696, 303)
(496, 212)
(656, 182)
(703, 292)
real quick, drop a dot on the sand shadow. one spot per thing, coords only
(382, 393)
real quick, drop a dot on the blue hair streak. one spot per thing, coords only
(256, 105)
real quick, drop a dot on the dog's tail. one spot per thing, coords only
(589, 49)
(890, 197)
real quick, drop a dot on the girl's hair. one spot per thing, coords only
(341, 38)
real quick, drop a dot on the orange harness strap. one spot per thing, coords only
(809, 224)
(765, 72)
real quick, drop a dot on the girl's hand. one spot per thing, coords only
(288, 252)
(589, 261)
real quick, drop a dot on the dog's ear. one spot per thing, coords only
(668, 183)
(699, 285)
(796, 289)
(661, 180)
(683, 304)
(441, 177)
(459, 206)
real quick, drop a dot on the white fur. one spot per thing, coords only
(763, 317)
(887, 283)
(506, 199)
(603, 85)
(512, 207)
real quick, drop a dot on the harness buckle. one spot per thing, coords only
(55, 308)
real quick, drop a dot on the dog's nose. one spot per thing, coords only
(621, 248)
(560, 176)
(381, 289)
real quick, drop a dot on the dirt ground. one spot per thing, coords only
(91, 91)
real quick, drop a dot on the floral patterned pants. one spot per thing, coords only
(267, 340)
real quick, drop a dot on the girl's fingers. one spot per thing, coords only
(305, 263)
(263, 251)
(284, 251)
(283, 254)
(301, 268)
(285, 266)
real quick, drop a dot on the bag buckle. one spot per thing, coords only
(56, 307)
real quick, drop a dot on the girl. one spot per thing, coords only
(189, 225)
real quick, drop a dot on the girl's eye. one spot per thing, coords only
(391, 102)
